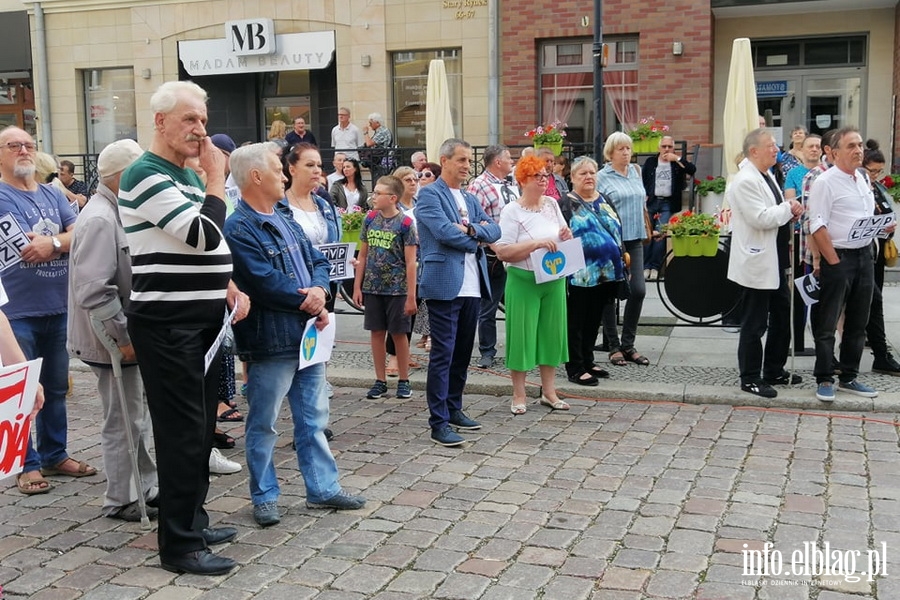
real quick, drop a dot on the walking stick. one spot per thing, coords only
(791, 313)
(116, 357)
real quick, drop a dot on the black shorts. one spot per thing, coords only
(385, 313)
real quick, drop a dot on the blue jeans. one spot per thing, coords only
(45, 337)
(268, 381)
(655, 251)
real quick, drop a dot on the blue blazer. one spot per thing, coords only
(443, 247)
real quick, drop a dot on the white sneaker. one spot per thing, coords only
(220, 465)
(646, 274)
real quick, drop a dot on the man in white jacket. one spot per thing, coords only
(758, 263)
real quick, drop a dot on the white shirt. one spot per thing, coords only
(837, 200)
(471, 285)
(347, 140)
(333, 177)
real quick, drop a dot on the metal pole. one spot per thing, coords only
(40, 59)
(493, 72)
(598, 80)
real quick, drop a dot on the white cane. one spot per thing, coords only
(792, 291)
(116, 357)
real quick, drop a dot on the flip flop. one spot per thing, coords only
(82, 470)
(617, 358)
(230, 416)
(26, 485)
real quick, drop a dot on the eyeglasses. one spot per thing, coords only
(541, 176)
(875, 172)
(666, 146)
(17, 146)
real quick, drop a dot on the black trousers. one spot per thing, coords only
(584, 314)
(845, 286)
(764, 312)
(182, 403)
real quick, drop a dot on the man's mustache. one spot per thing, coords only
(194, 138)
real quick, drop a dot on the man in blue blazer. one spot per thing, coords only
(452, 230)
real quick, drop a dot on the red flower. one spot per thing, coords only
(709, 177)
(696, 182)
(888, 181)
(674, 219)
(687, 213)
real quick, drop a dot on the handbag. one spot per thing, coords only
(648, 226)
(890, 253)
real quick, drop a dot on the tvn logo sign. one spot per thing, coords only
(251, 36)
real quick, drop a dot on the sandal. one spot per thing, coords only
(82, 469)
(554, 404)
(632, 355)
(232, 415)
(583, 378)
(30, 486)
(222, 440)
(617, 358)
(598, 372)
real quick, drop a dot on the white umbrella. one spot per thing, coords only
(438, 118)
(741, 112)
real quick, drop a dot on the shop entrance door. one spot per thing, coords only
(831, 102)
(286, 109)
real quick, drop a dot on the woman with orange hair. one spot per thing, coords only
(535, 312)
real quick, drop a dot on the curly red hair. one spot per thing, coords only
(529, 166)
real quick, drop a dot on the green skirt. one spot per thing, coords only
(535, 321)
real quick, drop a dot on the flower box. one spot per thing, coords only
(647, 146)
(695, 245)
(555, 146)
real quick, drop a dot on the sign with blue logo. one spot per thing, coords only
(771, 89)
(316, 344)
(553, 262)
(565, 260)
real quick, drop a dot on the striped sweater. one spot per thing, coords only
(181, 264)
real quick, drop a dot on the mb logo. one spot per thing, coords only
(251, 36)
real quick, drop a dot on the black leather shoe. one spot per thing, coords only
(201, 562)
(219, 535)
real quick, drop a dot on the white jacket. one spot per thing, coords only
(755, 219)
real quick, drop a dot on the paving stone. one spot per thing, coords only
(174, 592)
(421, 583)
(365, 579)
(462, 586)
(624, 579)
(526, 576)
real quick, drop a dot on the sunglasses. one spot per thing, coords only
(425, 175)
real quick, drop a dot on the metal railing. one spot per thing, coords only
(87, 163)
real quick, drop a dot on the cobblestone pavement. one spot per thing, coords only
(611, 500)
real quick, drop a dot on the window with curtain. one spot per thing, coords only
(567, 80)
(410, 87)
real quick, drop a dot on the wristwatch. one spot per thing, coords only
(57, 245)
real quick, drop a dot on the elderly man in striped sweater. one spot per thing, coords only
(181, 269)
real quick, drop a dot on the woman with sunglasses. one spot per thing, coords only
(535, 312)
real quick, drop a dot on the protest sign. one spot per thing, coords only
(339, 255)
(12, 240)
(549, 266)
(872, 227)
(315, 345)
(808, 288)
(18, 387)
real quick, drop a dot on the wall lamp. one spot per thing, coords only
(677, 48)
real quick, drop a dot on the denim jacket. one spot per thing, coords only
(332, 217)
(263, 270)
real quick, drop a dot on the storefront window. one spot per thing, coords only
(109, 107)
(410, 86)
(567, 86)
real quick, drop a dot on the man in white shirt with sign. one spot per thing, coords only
(838, 199)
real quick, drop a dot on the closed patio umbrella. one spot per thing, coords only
(741, 112)
(438, 118)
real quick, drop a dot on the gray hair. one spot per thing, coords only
(168, 94)
(246, 158)
(376, 117)
(753, 139)
(449, 146)
(579, 162)
(492, 153)
(615, 139)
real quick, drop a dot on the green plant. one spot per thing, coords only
(552, 133)
(712, 185)
(648, 129)
(688, 223)
(352, 218)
